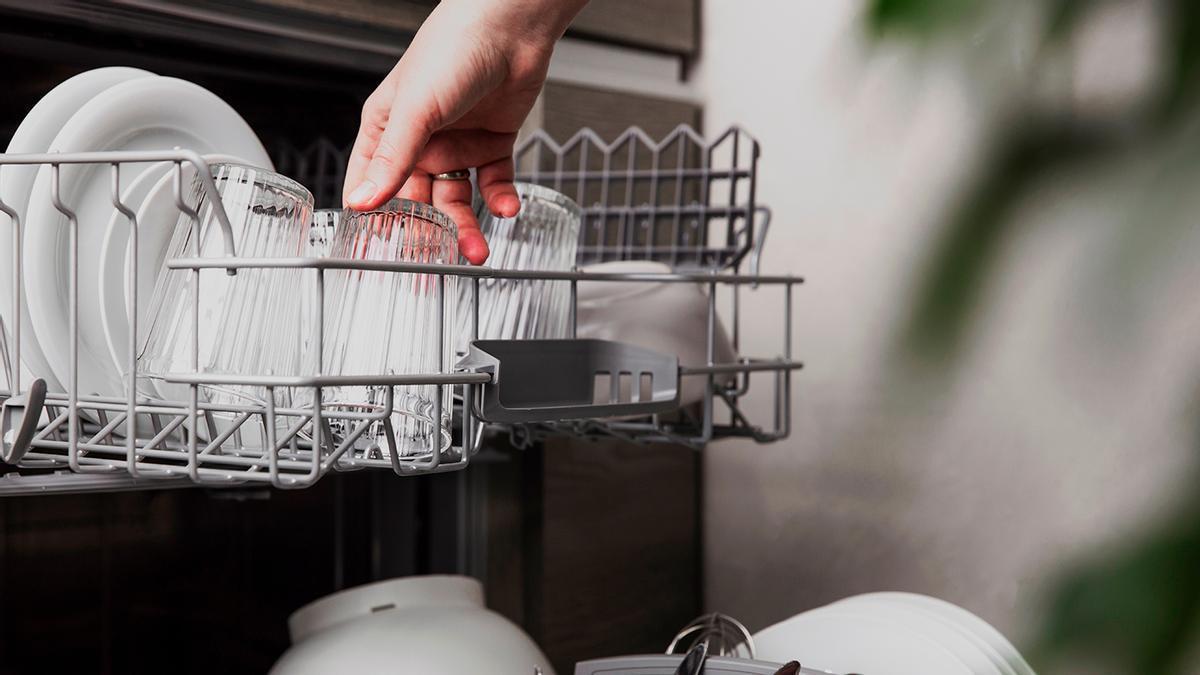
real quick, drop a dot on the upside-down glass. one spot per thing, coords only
(385, 323)
(542, 236)
(250, 323)
(320, 236)
(324, 228)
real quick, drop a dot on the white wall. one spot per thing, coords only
(1067, 422)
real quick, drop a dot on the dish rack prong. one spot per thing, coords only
(70, 441)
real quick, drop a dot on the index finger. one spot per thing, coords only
(409, 126)
(370, 128)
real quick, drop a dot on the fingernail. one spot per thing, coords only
(362, 193)
(510, 208)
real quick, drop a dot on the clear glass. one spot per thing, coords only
(543, 236)
(325, 223)
(386, 323)
(250, 323)
(323, 230)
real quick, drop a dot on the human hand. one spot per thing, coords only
(455, 100)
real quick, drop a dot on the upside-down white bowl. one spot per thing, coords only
(433, 625)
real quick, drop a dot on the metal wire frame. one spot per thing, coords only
(133, 441)
(202, 442)
(682, 200)
(694, 428)
(230, 444)
(222, 454)
(726, 636)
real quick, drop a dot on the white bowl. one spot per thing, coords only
(431, 625)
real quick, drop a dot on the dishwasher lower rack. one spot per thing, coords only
(74, 442)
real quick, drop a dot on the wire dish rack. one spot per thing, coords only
(69, 441)
(681, 200)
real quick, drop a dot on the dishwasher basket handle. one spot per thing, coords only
(548, 380)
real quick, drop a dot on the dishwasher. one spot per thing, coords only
(683, 199)
(701, 220)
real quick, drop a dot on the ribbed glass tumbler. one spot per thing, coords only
(249, 323)
(543, 236)
(325, 223)
(386, 323)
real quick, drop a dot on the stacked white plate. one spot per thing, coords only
(891, 634)
(108, 109)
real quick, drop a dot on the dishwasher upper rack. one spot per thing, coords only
(681, 200)
(128, 442)
(145, 439)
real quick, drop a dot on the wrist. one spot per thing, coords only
(538, 24)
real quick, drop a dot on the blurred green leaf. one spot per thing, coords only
(917, 16)
(1135, 609)
(1181, 56)
(1062, 16)
(977, 229)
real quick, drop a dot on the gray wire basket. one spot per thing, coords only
(66, 441)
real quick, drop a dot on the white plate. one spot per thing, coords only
(969, 648)
(952, 612)
(149, 114)
(36, 133)
(671, 318)
(112, 279)
(845, 641)
(152, 197)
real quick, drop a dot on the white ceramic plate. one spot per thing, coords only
(671, 318)
(984, 630)
(148, 114)
(846, 641)
(36, 133)
(112, 283)
(969, 648)
(152, 196)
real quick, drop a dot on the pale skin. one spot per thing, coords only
(455, 100)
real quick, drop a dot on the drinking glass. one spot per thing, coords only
(542, 236)
(250, 323)
(320, 236)
(325, 223)
(385, 323)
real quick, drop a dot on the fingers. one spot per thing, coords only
(395, 153)
(374, 119)
(496, 186)
(453, 197)
(418, 187)
(449, 150)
